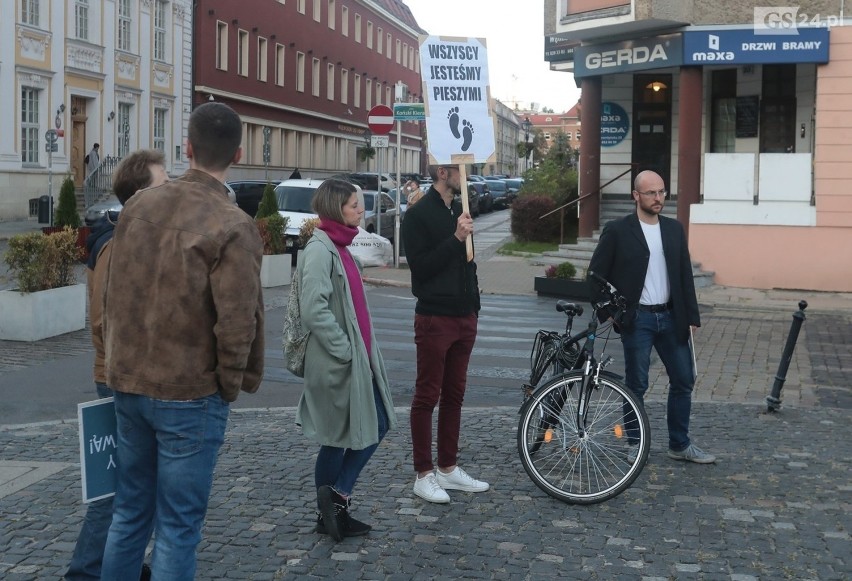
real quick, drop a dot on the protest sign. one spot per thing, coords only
(98, 445)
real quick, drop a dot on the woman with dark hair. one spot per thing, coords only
(346, 405)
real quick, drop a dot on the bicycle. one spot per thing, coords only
(577, 430)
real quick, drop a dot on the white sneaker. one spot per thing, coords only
(458, 479)
(428, 488)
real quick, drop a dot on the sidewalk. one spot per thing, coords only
(513, 275)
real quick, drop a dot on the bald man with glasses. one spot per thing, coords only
(646, 257)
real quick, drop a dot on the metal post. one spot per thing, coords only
(377, 205)
(396, 239)
(50, 184)
(773, 401)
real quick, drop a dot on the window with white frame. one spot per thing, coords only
(344, 20)
(29, 124)
(388, 47)
(122, 126)
(279, 64)
(81, 19)
(398, 51)
(329, 90)
(369, 34)
(160, 14)
(221, 45)
(300, 6)
(405, 54)
(242, 53)
(368, 94)
(388, 98)
(300, 72)
(379, 40)
(262, 63)
(160, 129)
(31, 12)
(356, 91)
(317, 14)
(411, 58)
(357, 28)
(378, 93)
(344, 86)
(332, 14)
(124, 25)
(315, 78)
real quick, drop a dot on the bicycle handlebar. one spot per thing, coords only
(612, 293)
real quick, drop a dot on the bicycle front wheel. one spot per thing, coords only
(588, 461)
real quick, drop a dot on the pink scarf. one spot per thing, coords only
(342, 236)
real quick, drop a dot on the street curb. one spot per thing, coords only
(385, 282)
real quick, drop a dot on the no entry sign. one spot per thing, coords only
(380, 120)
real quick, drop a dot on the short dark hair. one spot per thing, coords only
(134, 172)
(214, 133)
(330, 198)
(97, 145)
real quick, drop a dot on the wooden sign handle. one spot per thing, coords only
(468, 243)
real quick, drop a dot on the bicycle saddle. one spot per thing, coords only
(570, 309)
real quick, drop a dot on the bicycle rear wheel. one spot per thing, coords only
(588, 465)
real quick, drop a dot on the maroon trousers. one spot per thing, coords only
(444, 345)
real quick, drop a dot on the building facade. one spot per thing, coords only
(507, 135)
(112, 72)
(743, 116)
(549, 124)
(303, 75)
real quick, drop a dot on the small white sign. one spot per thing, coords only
(379, 141)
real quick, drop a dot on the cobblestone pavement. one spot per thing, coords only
(776, 506)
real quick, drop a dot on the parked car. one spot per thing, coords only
(473, 200)
(500, 193)
(97, 210)
(514, 186)
(486, 201)
(369, 181)
(248, 193)
(388, 211)
(475, 178)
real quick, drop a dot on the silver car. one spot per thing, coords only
(388, 209)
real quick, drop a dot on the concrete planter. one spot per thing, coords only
(36, 316)
(275, 270)
(563, 288)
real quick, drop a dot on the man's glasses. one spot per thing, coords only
(654, 193)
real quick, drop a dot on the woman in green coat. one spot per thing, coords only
(346, 405)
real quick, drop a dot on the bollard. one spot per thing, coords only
(773, 401)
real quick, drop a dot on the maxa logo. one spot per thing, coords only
(714, 43)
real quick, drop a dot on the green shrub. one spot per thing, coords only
(43, 261)
(563, 270)
(526, 225)
(271, 231)
(66, 210)
(268, 203)
(307, 230)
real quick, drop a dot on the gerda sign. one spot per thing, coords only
(457, 99)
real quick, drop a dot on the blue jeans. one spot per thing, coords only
(340, 467)
(89, 551)
(657, 330)
(167, 451)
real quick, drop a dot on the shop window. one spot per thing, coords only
(778, 109)
(723, 121)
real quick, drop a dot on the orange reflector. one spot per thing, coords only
(619, 431)
(548, 436)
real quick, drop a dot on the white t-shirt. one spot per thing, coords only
(656, 290)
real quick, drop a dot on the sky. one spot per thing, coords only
(515, 35)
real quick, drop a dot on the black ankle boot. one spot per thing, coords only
(334, 518)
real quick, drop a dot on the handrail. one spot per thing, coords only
(598, 191)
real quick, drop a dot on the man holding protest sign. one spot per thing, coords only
(437, 236)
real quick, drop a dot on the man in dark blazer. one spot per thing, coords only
(646, 257)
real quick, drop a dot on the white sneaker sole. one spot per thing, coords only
(450, 486)
(432, 499)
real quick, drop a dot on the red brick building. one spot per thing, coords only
(552, 123)
(303, 74)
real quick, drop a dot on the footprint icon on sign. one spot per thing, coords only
(467, 132)
(453, 117)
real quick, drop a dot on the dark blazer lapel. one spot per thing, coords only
(667, 234)
(636, 229)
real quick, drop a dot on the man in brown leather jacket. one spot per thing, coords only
(183, 333)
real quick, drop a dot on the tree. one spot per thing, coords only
(268, 203)
(66, 211)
